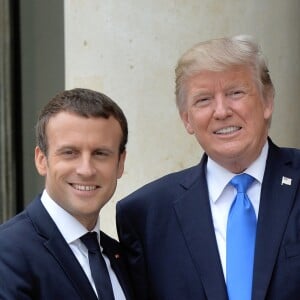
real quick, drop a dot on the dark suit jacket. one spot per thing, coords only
(168, 231)
(37, 263)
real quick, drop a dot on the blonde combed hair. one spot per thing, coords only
(221, 54)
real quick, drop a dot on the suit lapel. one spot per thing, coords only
(111, 249)
(194, 216)
(71, 267)
(57, 246)
(277, 196)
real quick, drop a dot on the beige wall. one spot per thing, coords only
(128, 50)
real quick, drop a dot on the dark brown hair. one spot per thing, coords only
(82, 102)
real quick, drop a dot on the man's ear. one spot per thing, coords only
(185, 119)
(121, 164)
(268, 105)
(40, 161)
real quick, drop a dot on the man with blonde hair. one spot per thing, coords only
(229, 227)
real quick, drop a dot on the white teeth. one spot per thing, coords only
(227, 130)
(84, 187)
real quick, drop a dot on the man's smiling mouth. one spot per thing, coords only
(81, 187)
(228, 130)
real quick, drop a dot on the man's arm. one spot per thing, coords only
(134, 252)
(15, 277)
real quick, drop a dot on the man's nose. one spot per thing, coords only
(222, 107)
(86, 167)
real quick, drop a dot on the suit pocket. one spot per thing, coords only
(292, 250)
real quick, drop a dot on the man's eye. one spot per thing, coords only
(236, 93)
(202, 100)
(101, 153)
(68, 152)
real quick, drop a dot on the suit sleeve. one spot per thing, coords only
(133, 248)
(15, 278)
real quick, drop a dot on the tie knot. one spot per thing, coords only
(242, 182)
(90, 241)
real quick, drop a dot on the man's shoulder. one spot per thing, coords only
(163, 188)
(111, 247)
(17, 223)
(106, 239)
(19, 226)
(16, 235)
(287, 154)
(170, 179)
(293, 152)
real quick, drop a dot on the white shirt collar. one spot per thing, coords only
(70, 228)
(218, 177)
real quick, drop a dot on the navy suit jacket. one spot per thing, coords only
(168, 232)
(37, 263)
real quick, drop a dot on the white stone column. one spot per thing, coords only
(128, 50)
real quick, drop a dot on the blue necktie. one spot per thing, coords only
(240, 241)
(98, 267)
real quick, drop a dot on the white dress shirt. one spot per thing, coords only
(72, 230)
(222, 194)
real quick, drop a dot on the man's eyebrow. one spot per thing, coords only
(105, 149)
(201, 93)
(64, 148)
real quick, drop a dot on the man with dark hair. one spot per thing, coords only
(52, 250)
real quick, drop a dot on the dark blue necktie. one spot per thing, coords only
(240, 241)
(98, 267)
